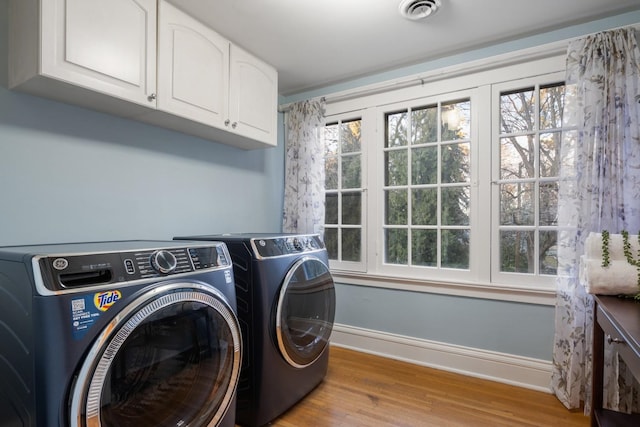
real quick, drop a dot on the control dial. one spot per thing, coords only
(163, 261)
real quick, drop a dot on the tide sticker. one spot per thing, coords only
(104, 300)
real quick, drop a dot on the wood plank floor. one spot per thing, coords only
(366, 390)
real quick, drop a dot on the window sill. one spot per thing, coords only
(463, 289)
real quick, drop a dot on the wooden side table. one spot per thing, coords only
(617, 322)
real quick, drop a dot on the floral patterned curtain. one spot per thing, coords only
(599, 190)
(304, 168)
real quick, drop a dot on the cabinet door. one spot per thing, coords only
(105, 46)
(193, 68)
(253, 94)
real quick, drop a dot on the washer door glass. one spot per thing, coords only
(305, 312)
(174, 362)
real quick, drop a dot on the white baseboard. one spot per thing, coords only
(511, 369)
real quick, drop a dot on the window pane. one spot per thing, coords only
(331, 242)
(351, 244)
(516, 204)
(424, 247)
(456, 121)
(550, 154)
(424, 206)
(517, 111)
(396, 167)
(551, 106)
(395, 246)
(455, 163)
(396, 130)
(350, 133)
(396, 207)
(331, 140)
(516, 251)
(455, 205)
(331, 173)
(517, 157)
(343, 196)
(351, 208)
(351, 172)
(549, 203)
(455, 249)
(424, 165)
(424, 125)
(331, 208)
(548, 252)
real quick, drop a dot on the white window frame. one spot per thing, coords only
(353, 265)
(520, 279)
(477, 78)
(376, 193)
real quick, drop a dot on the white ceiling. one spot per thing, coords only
(314, 43)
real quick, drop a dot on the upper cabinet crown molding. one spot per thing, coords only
(106, 56)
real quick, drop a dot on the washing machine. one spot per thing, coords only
(136, 333)
(286, 307)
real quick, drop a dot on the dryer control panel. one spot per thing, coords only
(71, 271)
(286, 245)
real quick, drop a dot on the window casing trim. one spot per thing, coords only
(469, 289)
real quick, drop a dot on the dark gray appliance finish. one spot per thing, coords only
(120, 334)
(286, 307)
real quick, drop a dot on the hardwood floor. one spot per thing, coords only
(366, 390)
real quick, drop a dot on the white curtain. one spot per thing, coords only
(599, 190)
(304, 168)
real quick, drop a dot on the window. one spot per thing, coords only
(343, 233)
(528, 145)
(427, 186)
(450, 186)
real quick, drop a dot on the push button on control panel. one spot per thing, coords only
(129, 266)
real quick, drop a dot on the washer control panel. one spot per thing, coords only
(60, 272)
(286, 245)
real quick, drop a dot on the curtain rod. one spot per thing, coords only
(502, 60)
(439, 74)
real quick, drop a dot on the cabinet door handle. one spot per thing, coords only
(234, 125)
(151, 97)
(226, 122)
(610, 340)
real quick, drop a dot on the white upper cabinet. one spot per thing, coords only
(106, 54)
(253, 93)
(205, 78)
(193, 68)
(104, 46)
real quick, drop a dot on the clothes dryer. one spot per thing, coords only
(136, 333)
(286, 307)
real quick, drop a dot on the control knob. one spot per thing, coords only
(163, 261)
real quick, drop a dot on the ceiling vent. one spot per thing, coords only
(418, 9)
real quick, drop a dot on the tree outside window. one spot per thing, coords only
(427, 186)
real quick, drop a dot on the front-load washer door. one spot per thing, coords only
(305, 311)
(171, 358)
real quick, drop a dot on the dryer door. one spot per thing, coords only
(305, 312)
(171, 358)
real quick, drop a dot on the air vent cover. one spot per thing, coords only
(418, 9)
